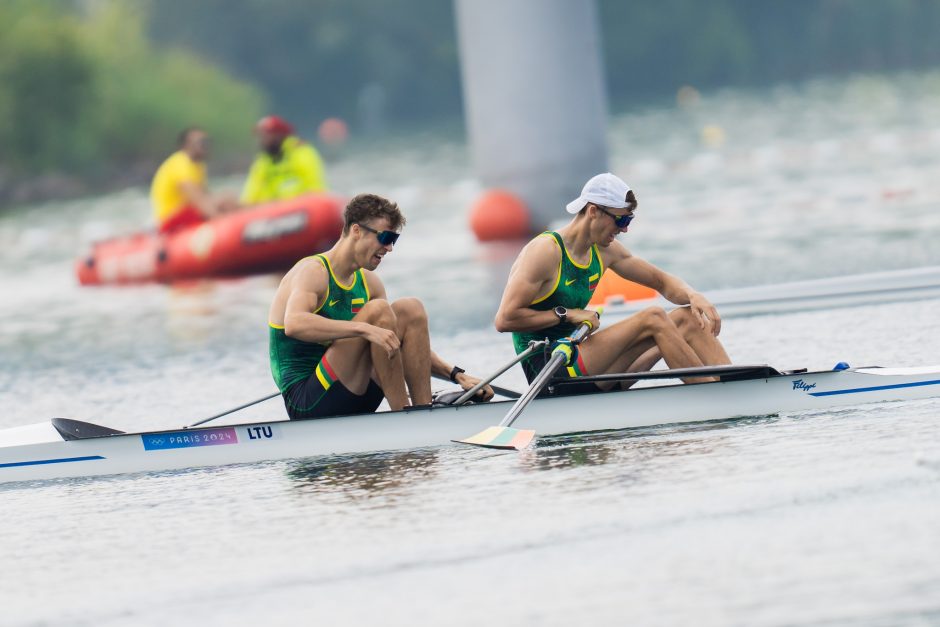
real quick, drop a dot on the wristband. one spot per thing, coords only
(453, 373)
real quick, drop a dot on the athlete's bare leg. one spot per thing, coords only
(415, 347)
(355, 359)
(617, 347)
(643, 363)
(643, 355)
(705, 345)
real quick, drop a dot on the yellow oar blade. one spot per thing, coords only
(502, 438)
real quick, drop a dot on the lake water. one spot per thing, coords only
(813, 518)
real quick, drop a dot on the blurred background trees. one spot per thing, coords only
(83, 90)
(91, 87)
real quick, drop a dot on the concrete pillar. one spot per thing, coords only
(534, 98)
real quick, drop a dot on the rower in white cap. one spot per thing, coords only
(552, 280)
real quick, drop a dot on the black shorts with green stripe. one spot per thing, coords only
(322, 395)
(536, 363)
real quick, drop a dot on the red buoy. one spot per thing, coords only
(499, 214)
(333, 132)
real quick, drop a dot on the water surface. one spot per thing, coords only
(812, 518)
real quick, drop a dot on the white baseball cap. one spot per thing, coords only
(607, 190)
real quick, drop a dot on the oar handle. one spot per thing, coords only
(557, 359)
(533, 345)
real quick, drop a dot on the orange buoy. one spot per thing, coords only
(499, 214)
(333, 131)
(613, 288)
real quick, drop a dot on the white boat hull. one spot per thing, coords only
(38, 452)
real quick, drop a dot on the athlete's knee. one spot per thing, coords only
(682, 318)
(379, 312)
(410, 311)
(654, 318)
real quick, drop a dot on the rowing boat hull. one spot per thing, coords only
(214, 446)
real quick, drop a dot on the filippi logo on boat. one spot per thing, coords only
(800, 384)
(187, 439)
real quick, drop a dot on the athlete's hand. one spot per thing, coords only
(568, 348)
(705, 313)
(383, 338)
(467, 381)
(577, 316)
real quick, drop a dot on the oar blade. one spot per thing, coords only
(502, 438)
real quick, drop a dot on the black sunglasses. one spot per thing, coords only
(386, 238)
(622, 221)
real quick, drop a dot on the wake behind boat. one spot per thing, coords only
(67, 448)
(869, 288)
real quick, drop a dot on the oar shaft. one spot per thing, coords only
(505, 392)
(533, 346)
(548, 372)
(233, 410)
(554, 363)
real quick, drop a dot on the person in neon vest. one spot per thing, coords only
(286, 166)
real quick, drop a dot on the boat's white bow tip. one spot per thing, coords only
(36, 433)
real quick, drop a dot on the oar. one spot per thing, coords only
(233, 410)
(505, 392)
(533, 346)
(504, 436)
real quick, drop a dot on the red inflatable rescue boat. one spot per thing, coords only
(268, 238)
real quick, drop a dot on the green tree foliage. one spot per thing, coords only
(87, 92)
(47, 79)
(82, 83)
(316, 58)
(148, 94)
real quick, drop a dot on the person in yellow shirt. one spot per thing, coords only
(179, 194)
(286, 167)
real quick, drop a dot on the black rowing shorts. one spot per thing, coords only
(536, 363)
(322, 395)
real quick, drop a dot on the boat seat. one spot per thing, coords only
(77, 430)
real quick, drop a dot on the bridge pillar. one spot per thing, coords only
(534, 98)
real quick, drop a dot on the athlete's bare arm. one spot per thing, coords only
(304, 288)
(675, 290)
(533, 276)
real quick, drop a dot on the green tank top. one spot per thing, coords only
(573, 289)
(293, 360)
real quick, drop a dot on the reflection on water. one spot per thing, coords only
(629, 450)
(363, 476)
(635, 447)
(568, 452)
(191, 311)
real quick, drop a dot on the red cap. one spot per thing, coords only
(274, 124)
